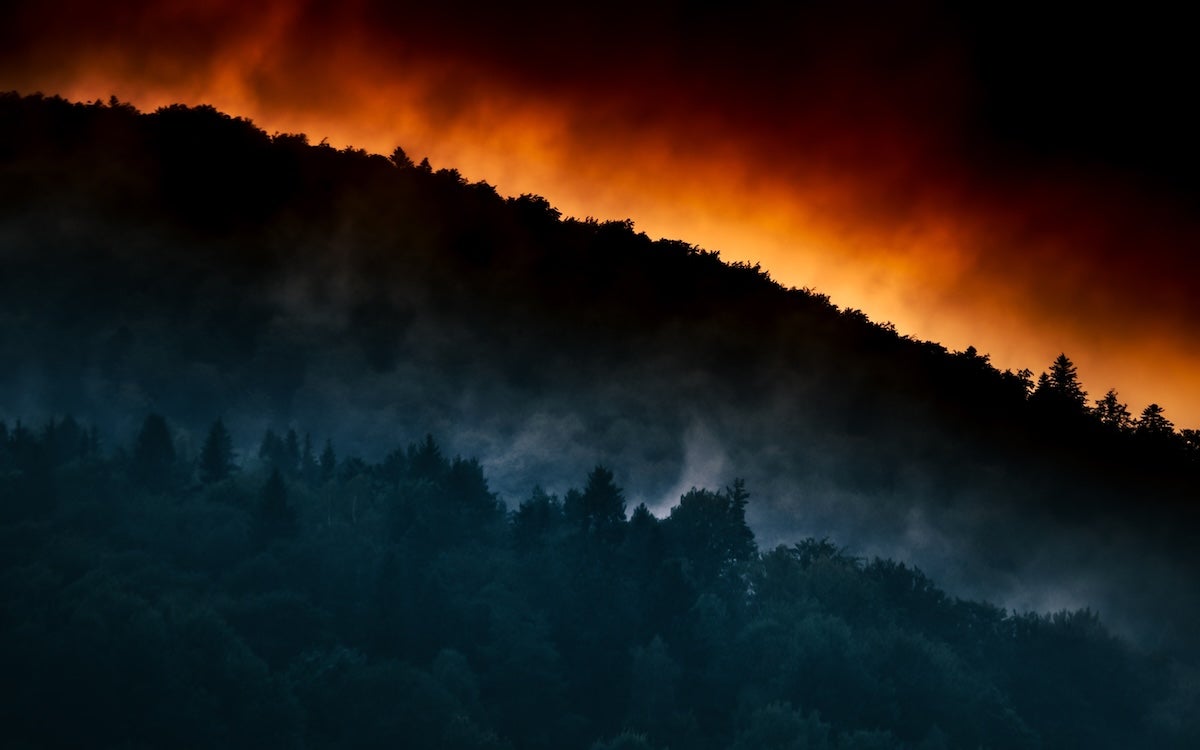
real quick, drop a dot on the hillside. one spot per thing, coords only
(313, 600)
(185, 262)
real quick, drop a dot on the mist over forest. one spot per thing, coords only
(185, 263)
(325, 601)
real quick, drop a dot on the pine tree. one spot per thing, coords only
(1110, 411)
(425, 460)
(602, 503)
(1064, 382)
(1154, 423)
(216, 457)
(401, 159)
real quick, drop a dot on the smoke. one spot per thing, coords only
(705, 465)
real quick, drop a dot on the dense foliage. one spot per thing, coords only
(294, 599)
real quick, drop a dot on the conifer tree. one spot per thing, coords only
(602, 503)
(1063, 382)
(1110, 411)
(1153, 422)
(216, 457)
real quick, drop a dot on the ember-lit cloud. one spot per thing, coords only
(875, 156)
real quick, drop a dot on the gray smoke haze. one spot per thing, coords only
(663, 433)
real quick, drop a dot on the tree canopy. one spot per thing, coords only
(399, 603)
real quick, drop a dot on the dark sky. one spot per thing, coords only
(1007, 175)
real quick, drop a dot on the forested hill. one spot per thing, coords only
(185, 262)
(314, 600)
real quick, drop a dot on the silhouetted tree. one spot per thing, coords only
(1043, 387)
(739, 497)
(425, 460)
(1111, 412)
(535, 208)
(401, 159)
(1153, 422)
(1061, 385)
(216, 457)
(466, 486)
(1024, 378)
(1065, 380)
(643, 538)
(601, 505)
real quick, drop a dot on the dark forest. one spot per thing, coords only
(217, 342)
(154, 601)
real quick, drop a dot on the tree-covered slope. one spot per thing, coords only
(183, 261)
(307, 600)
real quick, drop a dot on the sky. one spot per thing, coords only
(1012, 177)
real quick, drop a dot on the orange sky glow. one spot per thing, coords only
(1022, 268)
